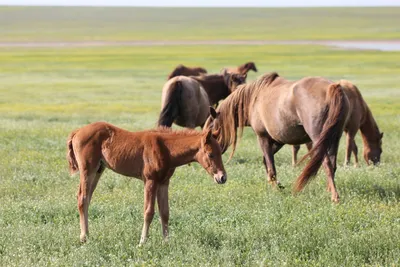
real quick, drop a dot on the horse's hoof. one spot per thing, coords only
(280, 186)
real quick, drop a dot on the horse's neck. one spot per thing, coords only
(183, 149)
(369, 129)
(216, 90)
(243, 69)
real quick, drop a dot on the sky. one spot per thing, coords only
(211, 3)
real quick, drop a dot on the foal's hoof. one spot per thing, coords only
(335, 200)
(83, 238)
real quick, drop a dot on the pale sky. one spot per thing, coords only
(211, 3)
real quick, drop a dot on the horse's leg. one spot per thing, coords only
(355, 152)
(86, 179)
(163, 206)
(330, 170)
(150, 191)
(295, 151)
(349, 149)
(95, 181)
(269, 148)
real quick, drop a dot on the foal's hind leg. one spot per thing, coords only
(86, 179)
(95, 181)
(269, 148)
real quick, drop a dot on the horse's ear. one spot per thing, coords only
(381, 135)
(216, 133)
(213, 113)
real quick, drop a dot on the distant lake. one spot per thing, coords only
(367, 45)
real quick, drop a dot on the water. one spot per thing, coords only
(367, 45)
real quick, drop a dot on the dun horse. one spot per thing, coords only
(151, 156)
(186, 100)
(182, 70)
(360, 118)
(287, 112)
(243, 69)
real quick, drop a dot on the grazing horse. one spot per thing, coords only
(182, 70)
(186, 100)
(243, 69)
(287, 112)
(360, 118)
(151, 156)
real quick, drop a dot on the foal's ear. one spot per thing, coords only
(381, 135)
(207, 137)
(213, 113)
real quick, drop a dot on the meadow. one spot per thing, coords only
(47, 92)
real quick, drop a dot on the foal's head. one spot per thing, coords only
(210, 157)
(372, 153)
(232, 80)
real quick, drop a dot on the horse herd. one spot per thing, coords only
(313, 111)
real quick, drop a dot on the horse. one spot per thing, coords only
(182, 70)
(186, 100)
(151, 156)
(360, 118)
(286, 112)
(244, 68)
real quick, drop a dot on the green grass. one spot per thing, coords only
(46, 93)
(128, 23)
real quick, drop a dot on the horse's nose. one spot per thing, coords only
(223, 179)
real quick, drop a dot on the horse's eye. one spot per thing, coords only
(210, 156)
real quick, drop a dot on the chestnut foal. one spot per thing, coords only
(151, 156)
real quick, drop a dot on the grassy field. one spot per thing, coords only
(77, 23)
(46, 93)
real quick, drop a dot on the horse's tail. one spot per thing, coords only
(171, 105)
(73, 165)
(335, 117)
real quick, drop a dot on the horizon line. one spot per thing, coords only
(195, 6)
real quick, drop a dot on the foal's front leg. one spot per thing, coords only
(150, 191)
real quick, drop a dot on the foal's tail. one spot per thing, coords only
(171, 105)
(73, 165)
(335, 118)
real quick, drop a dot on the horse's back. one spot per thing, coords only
(193, 104)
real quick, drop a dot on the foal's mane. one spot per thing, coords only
(234, 110)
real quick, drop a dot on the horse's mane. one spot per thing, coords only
(234, 110)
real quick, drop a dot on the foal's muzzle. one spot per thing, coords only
(220, 177)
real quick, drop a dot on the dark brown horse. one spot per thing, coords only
(243, 69)
(360, 118)
(151, 156)
(186, 100)
(182, 70)
(287, 112)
